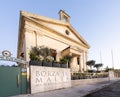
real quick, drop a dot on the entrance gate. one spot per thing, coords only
(13, 81)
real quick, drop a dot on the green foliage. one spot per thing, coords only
(40, 53)
(33, 56)
(90, 63)
(45, 52)
(68, 58)
(35, 51)
(78, 75)
(108, 69)
(48, 59)
(65, 59)
(98, 65)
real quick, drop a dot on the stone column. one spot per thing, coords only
(83, 61)
(71, 65)
(58, 56)
(84, 54)
(80, 63)
(86, 58)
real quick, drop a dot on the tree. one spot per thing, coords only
(108, 69)
(90, 63)
(45, 53)
(65, 61)
(34, 54)
(98, 66)
(40, 53)
(68, 58)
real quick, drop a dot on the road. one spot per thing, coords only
(112, 90)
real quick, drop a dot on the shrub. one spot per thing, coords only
(33, 56)
(63, 61)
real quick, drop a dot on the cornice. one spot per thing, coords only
(43, 18)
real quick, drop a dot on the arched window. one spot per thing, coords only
(35, 38)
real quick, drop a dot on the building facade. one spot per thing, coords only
(59, 35)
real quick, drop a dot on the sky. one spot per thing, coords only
(97, 21)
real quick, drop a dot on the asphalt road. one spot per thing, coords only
(112, 90)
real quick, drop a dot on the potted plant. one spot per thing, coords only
(63, 62)
(68, 58)
(48, 61)
(35, 59)
(46, 54)
(56, 64)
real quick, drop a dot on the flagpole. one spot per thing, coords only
(112, 59)
(100, 57)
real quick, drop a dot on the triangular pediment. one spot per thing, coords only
(61, 27)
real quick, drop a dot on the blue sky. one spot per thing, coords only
(98, 21)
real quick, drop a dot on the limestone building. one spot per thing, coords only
(59, 35)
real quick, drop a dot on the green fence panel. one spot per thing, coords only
(24, 83)
(11, 81)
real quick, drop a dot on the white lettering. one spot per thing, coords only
(38, 81)
(6, 58)
(47, 78)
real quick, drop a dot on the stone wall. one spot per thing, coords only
(49, 78)
(114, 74)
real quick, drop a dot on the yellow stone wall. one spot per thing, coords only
(53, 36)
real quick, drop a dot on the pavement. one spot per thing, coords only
(75, 91)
